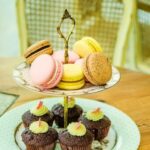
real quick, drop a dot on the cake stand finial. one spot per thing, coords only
(66, 15)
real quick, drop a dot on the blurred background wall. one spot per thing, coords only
(9, 42)
(111, 13)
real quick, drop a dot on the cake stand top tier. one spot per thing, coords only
(20, 74)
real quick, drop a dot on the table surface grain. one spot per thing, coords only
(131, 95)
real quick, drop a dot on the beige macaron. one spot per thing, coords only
(41, 47)
(97, 68)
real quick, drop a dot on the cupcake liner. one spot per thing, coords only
(46, 147)
(65, 147)
(100, 134)
(25, 125)
(104, 132)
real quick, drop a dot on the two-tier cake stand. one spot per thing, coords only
(123, 133)
(24, 81)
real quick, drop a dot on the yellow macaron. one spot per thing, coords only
(71, 85)
(86, 46)
(73, 77)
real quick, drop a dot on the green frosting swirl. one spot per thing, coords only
(39, 110)
(39, 127)
(76, 129)
(94, 114)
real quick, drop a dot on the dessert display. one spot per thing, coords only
(96, 68)
(75, 137)
(75, 70)
(40, 111)
(41, 47)
(39, 136)
(55, 71)
(74, 112)
(12, 139)
(96, 122)
(59, 70)
(66, 69)
(82, 129)
(47, 72)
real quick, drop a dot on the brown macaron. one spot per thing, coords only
(41, 47)
(97, 68)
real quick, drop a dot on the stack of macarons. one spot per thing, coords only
(86, 63)
(73, 77)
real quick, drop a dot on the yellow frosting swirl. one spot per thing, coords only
(38, 127)
(95, 114)
(39, 110)
(76, 129)
(71, 102)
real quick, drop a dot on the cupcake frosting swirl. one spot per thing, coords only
(76, 129)
(38, 127)
(39, 110)
(95, 114)
(71, 102)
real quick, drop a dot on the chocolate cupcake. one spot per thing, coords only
(75, 137)
(39, 111)
(39, 136)
(97, 123)
(74, 112)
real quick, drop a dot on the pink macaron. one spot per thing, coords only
(46, 72)
(59, 55)
(79, 62)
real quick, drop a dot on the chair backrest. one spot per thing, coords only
(99, 19)
(144, 26)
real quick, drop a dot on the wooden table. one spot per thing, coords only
(131, 95)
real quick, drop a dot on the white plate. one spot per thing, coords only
(124, 132)
(21, 76)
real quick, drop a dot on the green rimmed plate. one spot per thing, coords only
(123, 135)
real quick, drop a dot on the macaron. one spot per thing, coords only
(46, 72)
(86, 46)
(79, 62)
(97, 68)
(41, 47)
(73, 77)
(59, 55)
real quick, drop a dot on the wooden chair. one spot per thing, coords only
(143, 53)
(108, 21)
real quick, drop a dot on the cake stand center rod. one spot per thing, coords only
(65, 16)
(65, 111)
